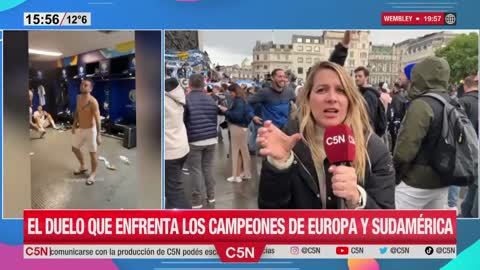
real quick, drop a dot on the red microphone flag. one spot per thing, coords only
(339, 144)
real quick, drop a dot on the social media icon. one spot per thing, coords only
(429, 250)
(342, 250)
(294, 250)
(383, 250)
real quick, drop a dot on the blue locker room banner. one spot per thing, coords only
(230, 14)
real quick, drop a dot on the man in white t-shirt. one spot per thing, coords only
(43, 119)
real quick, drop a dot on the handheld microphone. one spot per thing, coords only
(339, 145)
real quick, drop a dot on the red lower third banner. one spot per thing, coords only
(239, 232)
(413, 18)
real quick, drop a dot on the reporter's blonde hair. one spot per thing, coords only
(356, 118)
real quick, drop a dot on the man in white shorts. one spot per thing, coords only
(43, 119)
(86, 129)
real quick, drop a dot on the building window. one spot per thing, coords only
(307, 40)
(300, 70)
(286, 57)
(258, 57)
(316, 60)
(317, 49)
(300, 60)
(308, 48)
(351, 54)
(299, 40)
(300, 47)
(354, 45)
(363, 55)
(258, 67)
(351, 63)
(363, 46)
(309, 60)
(265, 57)
(265, 67)
(278, 56)
(315, 41)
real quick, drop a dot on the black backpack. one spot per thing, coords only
(380, 123)
(455, 155)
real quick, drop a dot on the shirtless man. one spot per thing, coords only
(86, 129)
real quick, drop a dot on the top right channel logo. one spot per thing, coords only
(450, 18)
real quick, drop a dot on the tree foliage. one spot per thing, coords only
(462, 55)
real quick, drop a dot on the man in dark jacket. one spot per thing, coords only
(469, 102)
(372, 99)
(421, 187)
(398, 110)
(201, 122)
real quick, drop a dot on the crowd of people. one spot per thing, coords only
(416, 144)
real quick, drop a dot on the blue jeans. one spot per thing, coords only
(453, 192)
(200, 162)
(470, 204)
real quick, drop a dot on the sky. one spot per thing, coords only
(231, 47)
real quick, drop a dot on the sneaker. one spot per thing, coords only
(90, 180)
(211, 200)
(197, 206)
(234, 179)
(245, 177)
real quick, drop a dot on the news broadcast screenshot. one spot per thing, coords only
(210, 134)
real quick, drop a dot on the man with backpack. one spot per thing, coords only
(469, 102)
(375, 107)
(432, 151)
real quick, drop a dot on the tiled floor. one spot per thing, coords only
(55, 187)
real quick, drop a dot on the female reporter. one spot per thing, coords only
(296, 173)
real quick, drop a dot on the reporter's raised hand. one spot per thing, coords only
(275, 143)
